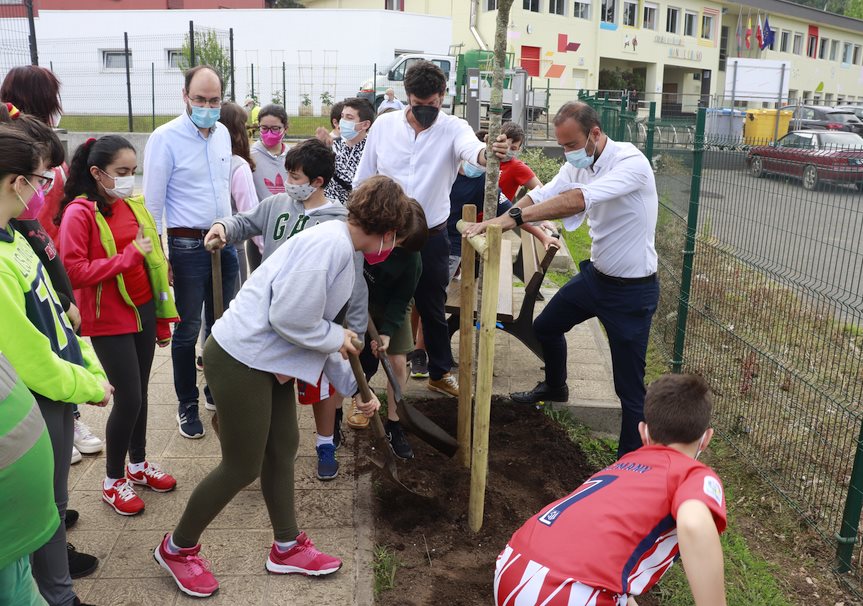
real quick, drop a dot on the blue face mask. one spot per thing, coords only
(471, 171)
(579, 158)
(205, 117)
(348, 129)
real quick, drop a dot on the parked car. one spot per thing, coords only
(809, 117)
(813, 156)
(856, 109)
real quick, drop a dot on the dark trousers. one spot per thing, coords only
(625, 312)
(430, 301)
(193, 289)
(127, 360)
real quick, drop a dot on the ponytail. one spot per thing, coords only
(93, 152)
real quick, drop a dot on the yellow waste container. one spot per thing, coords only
(760, 125)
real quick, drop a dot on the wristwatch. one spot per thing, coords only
(515, 213)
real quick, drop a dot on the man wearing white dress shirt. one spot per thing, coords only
(612, 185)
(187, 167)
(421, 148)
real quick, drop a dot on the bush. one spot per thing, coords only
(544, 167)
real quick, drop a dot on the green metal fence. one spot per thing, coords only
(761, 265)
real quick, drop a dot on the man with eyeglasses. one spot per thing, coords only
(187, 164)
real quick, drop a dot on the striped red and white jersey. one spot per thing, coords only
(614, 536)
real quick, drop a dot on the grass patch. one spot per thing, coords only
(298, 126)
(599, 452)
(385, 565)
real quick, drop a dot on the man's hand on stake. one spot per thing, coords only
(500, 147)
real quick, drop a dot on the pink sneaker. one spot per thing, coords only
(190, 571)
(302, 558)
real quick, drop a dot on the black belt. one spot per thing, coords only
(437, 229)
(624, 281)
(187, 232)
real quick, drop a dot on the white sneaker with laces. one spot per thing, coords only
(85, 441)
(76, 456)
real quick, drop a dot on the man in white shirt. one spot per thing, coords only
(421, 148)
(187, 168)
(390, 101)
(611, 184)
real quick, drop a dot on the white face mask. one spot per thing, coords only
(55, 119)
(123, 186)
(299, 192)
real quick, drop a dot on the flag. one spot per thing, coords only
(739, 32)
(748, 37)
(758, 34)
(769, 34)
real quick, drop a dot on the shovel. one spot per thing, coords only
(413, 420)
(382, 457)
(218, 300)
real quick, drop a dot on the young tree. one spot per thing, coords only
(208, 51)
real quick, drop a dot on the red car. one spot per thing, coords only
(813, 156)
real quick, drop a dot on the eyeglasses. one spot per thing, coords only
(201, 101)
(44, 180)
(271, 129)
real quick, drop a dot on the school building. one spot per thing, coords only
(677, 48)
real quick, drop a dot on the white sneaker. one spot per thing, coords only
(76, 456)
(85, 441)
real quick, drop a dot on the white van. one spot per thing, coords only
(393, 77)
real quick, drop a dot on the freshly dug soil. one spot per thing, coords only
(440, 561)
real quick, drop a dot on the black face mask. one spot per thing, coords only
(425, 114)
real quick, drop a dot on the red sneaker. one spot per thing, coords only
(302, 558)
(190, 572)
(152, 477)
(121, 496)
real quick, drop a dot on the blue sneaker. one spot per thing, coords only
(328, 467)
(189, 422)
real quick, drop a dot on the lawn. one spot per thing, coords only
(299, 126)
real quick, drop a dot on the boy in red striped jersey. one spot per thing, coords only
(620, 531)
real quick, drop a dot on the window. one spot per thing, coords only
(557, 7)
(175, 57)
(690, 23)
(491, 5)
(797, 48)
(723, 47)
(608, 13)
(115, 59)
(672, 20)
(812, 47)
(630, 13)
(783, 41)
(707, 27)
(834, 50)
(581, 9)
(856, 57)
(443, 65)
(531, 5)
(651, 16)
(825, 48)
(846, 52)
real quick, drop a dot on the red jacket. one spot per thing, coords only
(93, 274)
(52, 202)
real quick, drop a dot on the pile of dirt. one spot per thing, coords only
(440, 560)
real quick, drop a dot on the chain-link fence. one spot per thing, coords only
(15, 40)
(131, 83)
(761, 265)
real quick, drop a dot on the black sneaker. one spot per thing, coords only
(71, 518)
(398, 442)
(419, 364)
(199, 363)
(338, 434)
(541, 393)
(189, 422)
(80, 564)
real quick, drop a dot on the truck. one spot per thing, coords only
(455, 68)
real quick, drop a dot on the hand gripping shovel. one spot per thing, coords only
(382, 457)
(413, 420)
(218, 300)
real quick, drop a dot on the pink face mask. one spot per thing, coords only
(34, 205)
(381, 255)
(271, 139)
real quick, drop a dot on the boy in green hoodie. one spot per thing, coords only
(37, 339)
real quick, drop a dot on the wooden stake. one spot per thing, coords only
(466, 340)
(478, 243)
(485, 365)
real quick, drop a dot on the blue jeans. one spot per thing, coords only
(193, 289)
(626, 312)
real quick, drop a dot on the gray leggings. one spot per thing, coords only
(51, 562)
(259, 436)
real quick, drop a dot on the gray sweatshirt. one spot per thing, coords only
(282, 320)
(270, 173)
(280, 217)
